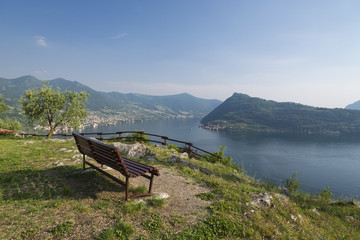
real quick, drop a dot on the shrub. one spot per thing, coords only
(325, 193)
(137, 137)
(292, 184)
(156, 202)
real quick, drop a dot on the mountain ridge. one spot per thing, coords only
(242, 112)
(132, 103)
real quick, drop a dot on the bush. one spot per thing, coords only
(325, 194)
(292, 184)
(137, 137)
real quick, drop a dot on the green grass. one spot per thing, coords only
(41, 186)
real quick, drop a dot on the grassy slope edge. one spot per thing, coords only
(42, 197)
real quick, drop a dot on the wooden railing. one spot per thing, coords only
(164, 140)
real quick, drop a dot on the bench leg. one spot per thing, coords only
(151, 183)
(83, 161)
(127, 189)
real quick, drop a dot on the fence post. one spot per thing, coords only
(165, 138)
(101, 138)
(189, 148)
(141, 137)
(120, 135)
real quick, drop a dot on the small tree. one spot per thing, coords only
(3, 107)
(54, 108)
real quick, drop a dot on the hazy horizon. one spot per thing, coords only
(287, 51)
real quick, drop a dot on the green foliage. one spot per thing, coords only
(206, 196)
(28, 233)
(107, 234)
(3, 107)
(153, 224)
(219, 157)
(292, 184)
(137, 137)
(132, 208)
(173, 146)
(101, 205)
(242, 112)
(156, 202)
(10, 124)
(325, 193)
(54, 108)
(62, 229)
(140, 189)
(123, 230)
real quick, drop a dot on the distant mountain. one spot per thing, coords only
(182, 104)
(242, 112)
(354, 106)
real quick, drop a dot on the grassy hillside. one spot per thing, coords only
(242, 112)
(44, 196)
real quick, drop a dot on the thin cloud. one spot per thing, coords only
(119, 36)
(40, 40)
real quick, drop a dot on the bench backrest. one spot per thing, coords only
(101, 152)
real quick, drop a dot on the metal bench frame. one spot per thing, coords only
(108, 155)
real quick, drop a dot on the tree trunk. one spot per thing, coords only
(52, 129)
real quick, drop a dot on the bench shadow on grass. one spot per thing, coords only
(57, 183)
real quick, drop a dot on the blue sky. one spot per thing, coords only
(300, 51)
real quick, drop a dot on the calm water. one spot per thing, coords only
(320, 161)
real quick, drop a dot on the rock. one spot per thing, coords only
(282, 197)
(184, 155)
(354, 202)
(262, 200)
(136, 150)
(151, 158)
(173, 159)
(162, 195)
(286, 191)
(77, 156)
(315, 211)
(62, 149)
(206, 171)
(28, 142)
(189, 164)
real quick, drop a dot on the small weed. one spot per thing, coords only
(107, 234)
(28, 233)
(101, 205)
(156, 202)
(176, 221)
(62, 229)
(206, 196)
(132, 208)
(66, 191)
(140, 189)
(153, 224)
(173, 146)
(121, 231)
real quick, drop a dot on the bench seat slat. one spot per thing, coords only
(140, 168)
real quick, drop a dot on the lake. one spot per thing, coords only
(320, 161)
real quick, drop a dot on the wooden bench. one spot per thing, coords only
(109, 155)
